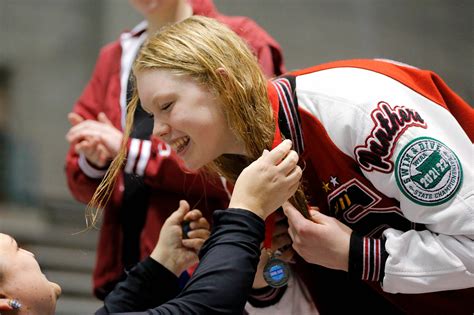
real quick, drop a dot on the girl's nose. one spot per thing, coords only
(161, 130)
(57, 289)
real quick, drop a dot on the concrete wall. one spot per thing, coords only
(50, 47)
(432, 34)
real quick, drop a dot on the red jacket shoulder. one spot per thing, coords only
(257, 39)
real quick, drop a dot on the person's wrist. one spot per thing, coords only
(166, 261)
(344, 255)
(344, 266)
(246, 206)
(97, 165)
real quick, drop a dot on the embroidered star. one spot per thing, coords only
(334, 181)
(326, 187)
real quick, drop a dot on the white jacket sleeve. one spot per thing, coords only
(433, 180)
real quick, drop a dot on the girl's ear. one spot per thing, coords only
(222, 72)
(223, 75)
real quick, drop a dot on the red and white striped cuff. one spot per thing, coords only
(367, 257)
(139, 152)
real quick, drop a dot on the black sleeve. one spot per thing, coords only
(223, 278)
(149, 284)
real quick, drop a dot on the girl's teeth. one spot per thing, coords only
(179, 144)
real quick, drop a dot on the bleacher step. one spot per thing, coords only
(72, 259)
(70, 305)
(72, 283)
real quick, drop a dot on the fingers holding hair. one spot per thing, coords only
(289, 162)
(276, 155)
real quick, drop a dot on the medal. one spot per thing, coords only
(276, 272)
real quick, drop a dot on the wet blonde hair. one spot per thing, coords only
(197, 47)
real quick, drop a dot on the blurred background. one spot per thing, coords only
(47, 52)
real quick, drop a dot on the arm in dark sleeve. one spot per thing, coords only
(223, 279)
(149, 284)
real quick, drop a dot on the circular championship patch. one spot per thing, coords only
(428, 172)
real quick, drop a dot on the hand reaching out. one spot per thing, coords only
(265, 184)
(323, 240)
(174, 252)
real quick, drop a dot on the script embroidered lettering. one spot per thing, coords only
(390, 124)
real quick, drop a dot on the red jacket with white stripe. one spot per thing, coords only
(387, 150)
(152, 159)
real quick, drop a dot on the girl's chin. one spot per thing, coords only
(193, 166)
(194, 162)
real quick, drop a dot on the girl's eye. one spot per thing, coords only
(166, 106)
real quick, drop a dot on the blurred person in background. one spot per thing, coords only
(153, 180)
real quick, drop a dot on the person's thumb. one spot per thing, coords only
(104, 119)
(74, 118)
(316, 216)
(177, 216)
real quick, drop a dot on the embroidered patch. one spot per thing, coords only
(389, 124)
(428, 172)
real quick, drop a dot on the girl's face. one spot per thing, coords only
(24, 281)
(186, 116)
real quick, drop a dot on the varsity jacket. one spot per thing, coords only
(387, 150)
(150, 159)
